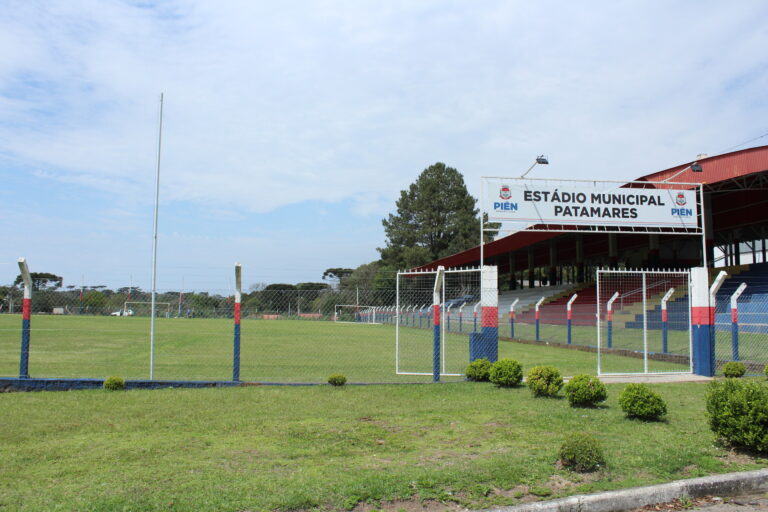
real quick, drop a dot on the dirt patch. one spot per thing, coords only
(413, 505)
(734, 457)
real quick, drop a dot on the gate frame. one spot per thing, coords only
(489, 296)
(644, 272)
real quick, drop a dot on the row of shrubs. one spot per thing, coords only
(636, 400)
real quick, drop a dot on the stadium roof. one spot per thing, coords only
(736, 183)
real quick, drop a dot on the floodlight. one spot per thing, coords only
(695, 167)
(541, 159)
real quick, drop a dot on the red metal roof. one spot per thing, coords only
(715, 169)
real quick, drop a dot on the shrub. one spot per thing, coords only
(738, 413)
(581, 452)
(478, 370)
(640, 401)
(585, 391)
(734, 370)
(765, 371)
(114, 383)
(337, 379)
(506, 373)
(544, 381)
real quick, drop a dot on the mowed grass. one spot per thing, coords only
(271, 350)
(303, 448)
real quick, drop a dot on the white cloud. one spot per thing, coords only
(271, 104)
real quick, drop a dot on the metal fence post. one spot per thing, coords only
(735, 321)
(537, 317)
(570, 315)
(26, 314)
(512, 318)
(609, 317)
(236, 351)
(664, 321)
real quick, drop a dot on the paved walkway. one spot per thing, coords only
(654, 378)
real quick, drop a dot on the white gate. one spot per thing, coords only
(459, 292)
(643, 322)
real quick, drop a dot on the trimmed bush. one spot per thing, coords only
(114, 383)
(478, 370)
(641, 402)
(585, 391)
(734, 370)
(506, 373)
(337, 379)
(738, 413)
(544, 381)
(581, 452)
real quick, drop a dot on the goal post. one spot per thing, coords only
(145, 308)
(357, 314)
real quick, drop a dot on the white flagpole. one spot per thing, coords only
(154, 248)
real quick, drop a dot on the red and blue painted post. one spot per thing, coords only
(512, 318)
(537, 317)
(735, 321)
(236, 351)
(609, 317)
(569, 315)
(489, 321)
(436, 302)
(665, 321)
(26, 314)
(703, 319)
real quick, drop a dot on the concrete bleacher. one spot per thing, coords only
(528, 297)
(753, 302)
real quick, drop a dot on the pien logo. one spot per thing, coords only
(680, 199)
(505, 193)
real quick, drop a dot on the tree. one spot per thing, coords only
(42, 281)
(337, 275)
(436, 217)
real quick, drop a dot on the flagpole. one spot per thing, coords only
(154, 247)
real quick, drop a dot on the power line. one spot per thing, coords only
(743, 143)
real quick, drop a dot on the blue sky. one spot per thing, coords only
(291, 127)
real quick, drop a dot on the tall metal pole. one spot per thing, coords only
(482, 221)
(154, 247)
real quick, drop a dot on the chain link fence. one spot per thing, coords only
(305, 335)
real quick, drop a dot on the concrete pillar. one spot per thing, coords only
(579, 258)
(552, 277)
(512, 278)
(613, 250)
(653, 251)
(530, 267)
(709, 230)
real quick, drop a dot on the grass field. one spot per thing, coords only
(305, 448)
(272, 350)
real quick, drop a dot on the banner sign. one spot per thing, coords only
(512, 200)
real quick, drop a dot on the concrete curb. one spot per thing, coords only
(728, 484)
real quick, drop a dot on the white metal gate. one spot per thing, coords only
(414, 332)
(643, 322)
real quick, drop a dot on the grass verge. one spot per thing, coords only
(273, 448)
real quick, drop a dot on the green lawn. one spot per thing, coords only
(272, 350)
(286, 448)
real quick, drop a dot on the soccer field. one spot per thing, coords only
(272, 350)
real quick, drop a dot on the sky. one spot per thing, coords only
(289, 128)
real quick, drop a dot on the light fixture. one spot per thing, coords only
(695, 167)
(541, 159)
